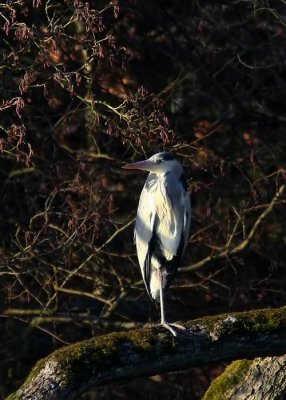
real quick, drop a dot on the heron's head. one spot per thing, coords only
(159, 163)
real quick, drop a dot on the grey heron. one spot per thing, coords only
(162, 224)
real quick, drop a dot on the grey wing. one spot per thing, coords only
(144, 231)
(175, 226)
(185, 209)
(187, 217)
(181, 206)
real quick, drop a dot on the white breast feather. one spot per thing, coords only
(144, 225)
(171, 220)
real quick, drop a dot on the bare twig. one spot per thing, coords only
(242, 245)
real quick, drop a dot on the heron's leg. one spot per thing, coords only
(163, 320)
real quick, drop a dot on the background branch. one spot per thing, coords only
(226, 252)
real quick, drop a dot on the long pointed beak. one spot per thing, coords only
(145, 165)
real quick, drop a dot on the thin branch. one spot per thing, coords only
(82, 293)
(39, 317)
(245, 243)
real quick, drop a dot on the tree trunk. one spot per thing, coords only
(77, 368)
(260, 379)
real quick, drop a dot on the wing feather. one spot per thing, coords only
(144, 231)
(181, 208)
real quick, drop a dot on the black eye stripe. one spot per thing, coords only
(168, 156)
(162, 157)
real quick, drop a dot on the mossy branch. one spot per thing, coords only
(77, 368)
(261, 378)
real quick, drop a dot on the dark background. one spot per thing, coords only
(88, 86)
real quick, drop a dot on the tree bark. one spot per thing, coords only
(259, 379)
(77, 368)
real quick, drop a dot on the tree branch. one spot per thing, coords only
(245, 379)
(245, 243)
(77, 368)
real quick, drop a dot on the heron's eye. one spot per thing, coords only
(159, 161)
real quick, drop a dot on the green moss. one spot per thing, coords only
(34, 372)
(145, 341)
(13, 396)
(102, 353)
(251, 322)
(79, 359)
(232, 376)
(142, 340)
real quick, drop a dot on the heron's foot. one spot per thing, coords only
(168, 326)
(178, 326)
(171, 329)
